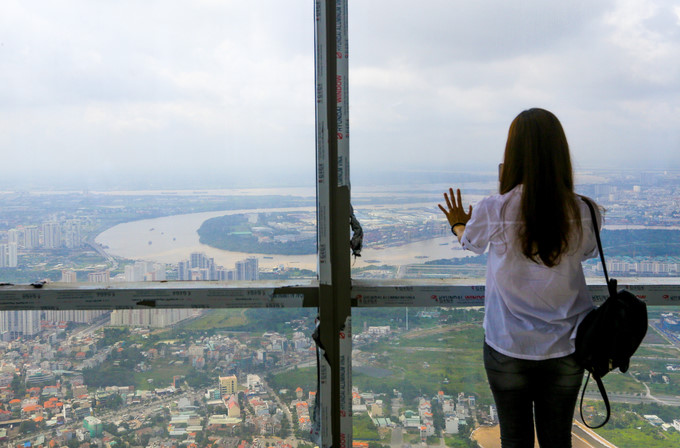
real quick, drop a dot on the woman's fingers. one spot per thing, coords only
(448, 202)
(454, 203)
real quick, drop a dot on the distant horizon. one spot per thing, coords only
(359, 178)
(143, 95)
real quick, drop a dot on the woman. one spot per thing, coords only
(538, 231)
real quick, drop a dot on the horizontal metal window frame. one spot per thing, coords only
(282, 294)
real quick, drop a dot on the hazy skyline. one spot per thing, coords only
(222, 93)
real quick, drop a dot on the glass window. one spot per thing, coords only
(174, 376)
(434, 88)
(156, 141)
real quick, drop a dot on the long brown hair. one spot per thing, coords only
(537, 157)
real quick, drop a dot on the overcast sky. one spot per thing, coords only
(222, 92)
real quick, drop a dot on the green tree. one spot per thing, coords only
(285, 428)
(69, 391)
(144, 439)
(27, 426)
(113, 402)
(197, 379)
(437, 417)
(364, 428)
(18, 386)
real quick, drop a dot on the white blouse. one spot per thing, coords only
(531, 311)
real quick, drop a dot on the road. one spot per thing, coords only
(97, 248)
(397, 438)
(582, 436)
(279, 403)
(668, 400)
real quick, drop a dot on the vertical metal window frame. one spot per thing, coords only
(333, 205)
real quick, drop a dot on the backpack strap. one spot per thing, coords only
(603, 393)
(611, 284)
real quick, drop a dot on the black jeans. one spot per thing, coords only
(526, 391)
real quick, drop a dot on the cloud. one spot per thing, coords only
(228, 87)
(460, 71)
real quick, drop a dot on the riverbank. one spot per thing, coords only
(172, 239)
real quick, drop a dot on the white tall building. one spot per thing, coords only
(31, 237)
(13, 255)
(80, 316)
(199, 260)
(20, 323)
(150, 318)
(198, 267)
(71, 234)
(51, 235)
(144, 271)
(247, 269)
(8, 255)
(13, 236)
(69, 276)
(99, 277)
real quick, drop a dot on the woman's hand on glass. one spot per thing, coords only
(454, 211)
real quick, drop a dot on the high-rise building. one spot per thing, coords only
(145, 271)
(13, 236)
(31, 237)
(247, 269)
(80, 316)
(69, 276)
(149, 318)
(129, 273)
(99, 277)
(20, 323)
(198, 267)
(183, 270)
(228, 385)
(51, 235)
(197, 274)
(199, 260)
(4, 251)
(13, 255)
(71, 234)
(158, 272)
(93, 425)
(222, 274)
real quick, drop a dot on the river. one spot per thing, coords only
(173, 238)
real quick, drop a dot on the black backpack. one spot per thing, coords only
(609, 335)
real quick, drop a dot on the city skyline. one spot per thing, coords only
(154, 236)
(223, 93)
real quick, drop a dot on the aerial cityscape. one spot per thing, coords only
(247, 377)
(109, 237)
(147, 145)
